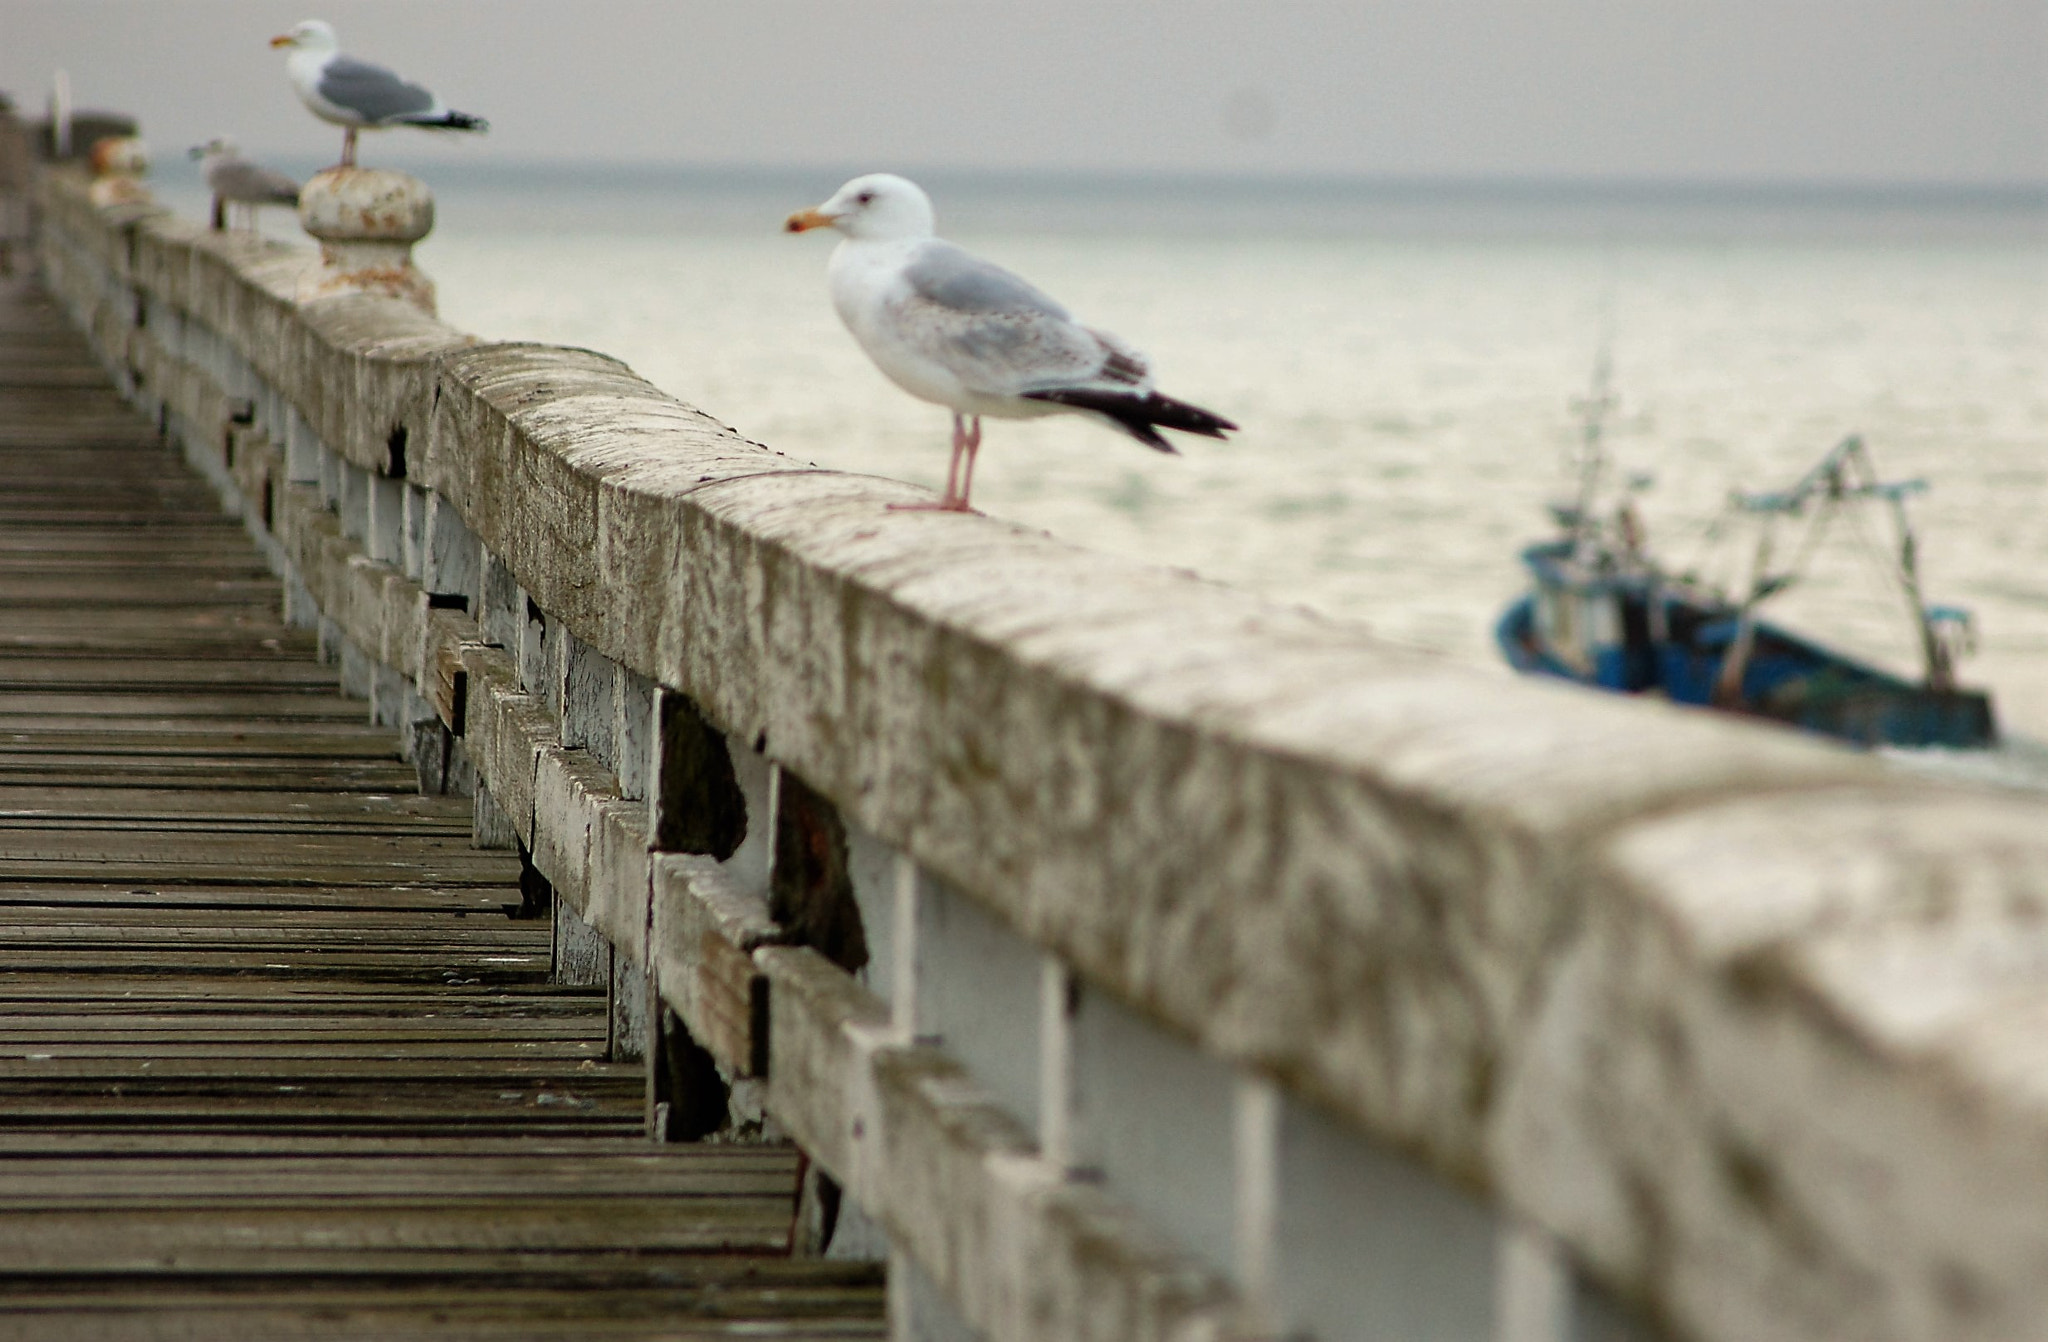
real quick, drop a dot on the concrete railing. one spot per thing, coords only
(1143, 959)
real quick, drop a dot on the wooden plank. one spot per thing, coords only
(94, 591)
(679, 1297)
(501, 1307)
(101, 893)
(65, 1074)
(151, 1178)
(408, 966)
(280, 737)
(26, 706)
(198, 1028)
(27, 1144)
(212, 1233)
(313, 926)
(209, 772)
(221, 631)
(124, 550)
(302, 997)
(451, 1320)
(218, 819)
(108, 674)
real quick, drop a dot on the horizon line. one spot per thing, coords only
(1614, 187)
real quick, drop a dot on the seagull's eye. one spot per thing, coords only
(865, 198)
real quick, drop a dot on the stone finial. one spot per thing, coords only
(119, 163)
(367, 220)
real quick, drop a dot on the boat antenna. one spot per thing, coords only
(1594, 409)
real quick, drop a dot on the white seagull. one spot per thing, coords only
(357, 95)
(953, 329)
(235, 180)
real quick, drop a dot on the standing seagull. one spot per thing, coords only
(235, 180)
(357, 95)
(953, 329)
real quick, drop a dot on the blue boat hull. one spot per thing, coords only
(1785, 679)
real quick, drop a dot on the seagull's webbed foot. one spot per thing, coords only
(942, 506)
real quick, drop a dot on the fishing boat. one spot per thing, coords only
(1605, 613)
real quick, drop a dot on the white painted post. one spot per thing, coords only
(629, 1018)
(590, 700)
(384, 536)
(352, 500)
(503, 606)
(583, 958)
(453, 560)
(300, 610)
(1154, 1117)
(1055, 1064)
(540, 663)
(979, 988)
(633, 732)
(284, 424)
(413, 556)
(918, 1309)
(755, 775)
(1532, 1286)
(1255, 1144)
(903, 990)
(490, 827)
(328, 472)
(1369, 1243)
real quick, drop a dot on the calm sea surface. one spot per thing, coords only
(1403, 363)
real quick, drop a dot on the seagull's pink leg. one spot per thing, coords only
(973, 451)
(953, 466)
(348, 147)
(955, 500)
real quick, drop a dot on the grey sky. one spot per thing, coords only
(1937, 91)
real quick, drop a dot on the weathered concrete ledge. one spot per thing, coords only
(1750, 1023)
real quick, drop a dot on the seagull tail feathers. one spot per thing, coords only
(1140, 414)
(451, 121)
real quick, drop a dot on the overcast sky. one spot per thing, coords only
(1858, 91)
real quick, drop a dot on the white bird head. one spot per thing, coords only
(312, 35)
(879, 206)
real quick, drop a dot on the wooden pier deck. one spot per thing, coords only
(277, 1059)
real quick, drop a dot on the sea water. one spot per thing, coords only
(1403, 362)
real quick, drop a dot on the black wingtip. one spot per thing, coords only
(1141, 416)
(1147, 435)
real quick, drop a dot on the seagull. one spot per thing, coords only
(356, 94)
(235, 180)
(953, 329)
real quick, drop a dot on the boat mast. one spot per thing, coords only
(1593, 409)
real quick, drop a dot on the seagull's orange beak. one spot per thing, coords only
(805, 220)
(283, 40)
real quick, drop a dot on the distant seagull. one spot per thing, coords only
(235, 180)
(356, 94)
(951, 328)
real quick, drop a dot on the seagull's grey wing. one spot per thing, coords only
(998, 333)
(239, 180)
(371, 91)
(960, 281)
